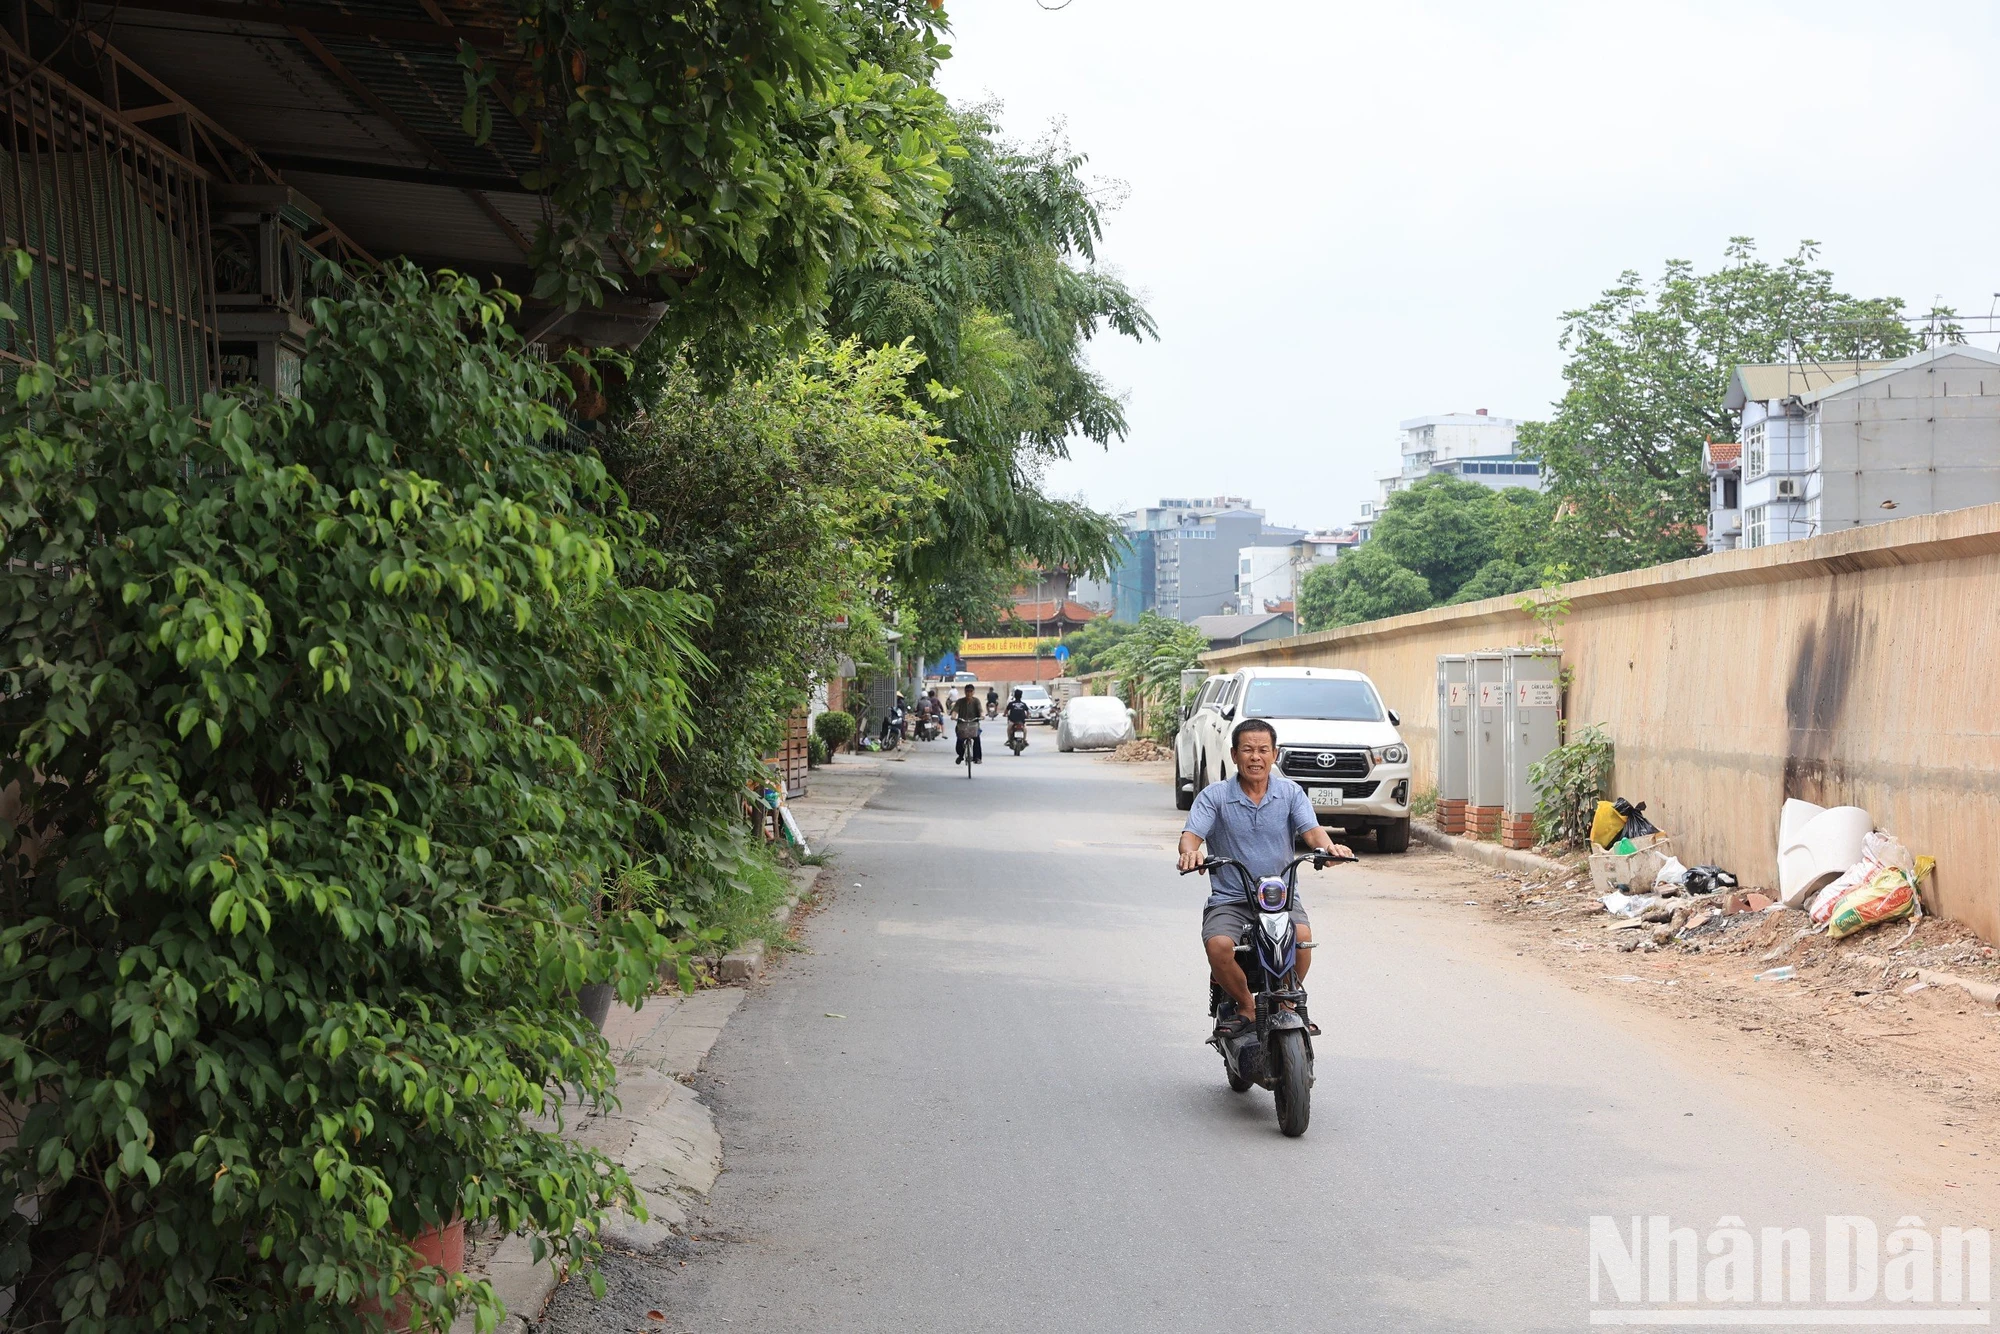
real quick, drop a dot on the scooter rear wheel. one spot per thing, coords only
(1294, 1080)
(1237, 1084)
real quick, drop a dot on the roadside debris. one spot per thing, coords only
(1785, 974)
(1627, 905)
(1708, 879)
(1141, 751)
(1816, 845)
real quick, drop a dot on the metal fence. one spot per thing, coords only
(117, 226)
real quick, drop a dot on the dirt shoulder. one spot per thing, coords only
(1853, 1045)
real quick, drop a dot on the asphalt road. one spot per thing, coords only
(1014, 1123)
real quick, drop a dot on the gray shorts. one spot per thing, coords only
(1233, 919)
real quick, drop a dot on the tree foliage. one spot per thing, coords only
(1446, 529)
(1442, 539)
(1149, 662)
(1648, 371)
(319, 712)
(730, 154)
(1365, 584)
(1001, 302)
(783, 499)
(1089, 646)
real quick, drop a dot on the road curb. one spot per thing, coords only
(1503, 859)
(661, 1134)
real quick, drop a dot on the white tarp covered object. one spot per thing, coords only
(1816, 845)
(1092, 722)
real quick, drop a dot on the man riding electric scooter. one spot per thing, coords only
(1253, 818)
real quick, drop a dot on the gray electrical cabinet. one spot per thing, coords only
(1452, 778)
(1530, 678)
(1486, 730)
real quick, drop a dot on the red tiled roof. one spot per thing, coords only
(1724, 456)
(1027, 613)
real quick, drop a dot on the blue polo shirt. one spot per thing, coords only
(1259, 834)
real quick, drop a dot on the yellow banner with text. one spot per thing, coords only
(976, 648)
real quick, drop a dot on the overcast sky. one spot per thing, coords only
(1347, 215)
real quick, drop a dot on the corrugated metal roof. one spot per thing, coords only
(362, 154)
(1762, 383)
(424, 221)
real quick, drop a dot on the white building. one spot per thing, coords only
(1723, 463)
(1830, 446)
(1268, 575)
(1474, 445)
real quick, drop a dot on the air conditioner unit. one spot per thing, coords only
(1790, 488)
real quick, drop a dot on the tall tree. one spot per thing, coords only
(728, 155)
(1648, 370)
(1002, 302)
(1365, 584)
(1441, 527)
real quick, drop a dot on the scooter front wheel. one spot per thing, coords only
(1294, 1080)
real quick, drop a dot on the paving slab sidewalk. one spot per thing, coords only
(661, 1133)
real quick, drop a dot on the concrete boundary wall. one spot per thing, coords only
(1859, 668)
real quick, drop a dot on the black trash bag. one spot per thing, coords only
(1709, 879)
(1636, 824)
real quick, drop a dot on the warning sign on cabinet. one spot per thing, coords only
(1455, 695)
(1534, 694)
(1492, 694)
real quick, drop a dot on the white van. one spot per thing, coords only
(1336, 739)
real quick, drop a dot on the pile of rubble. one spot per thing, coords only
(1776, 943)
(1141, 751)
(1848, 899)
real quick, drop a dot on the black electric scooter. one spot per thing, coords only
(1277, 1054)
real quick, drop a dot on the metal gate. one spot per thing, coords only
(117, 225)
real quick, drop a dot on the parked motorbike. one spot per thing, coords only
(894, 730)
(1017, 737)
(1277, 1054)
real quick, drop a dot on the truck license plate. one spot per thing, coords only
(1327, 796)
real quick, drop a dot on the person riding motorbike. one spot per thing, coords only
(1017, 719)
(1252, 817)
(992, 701)
(968, 713)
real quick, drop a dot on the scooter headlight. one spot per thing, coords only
(1271, 894)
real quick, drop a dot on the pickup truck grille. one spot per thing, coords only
(1315, 762)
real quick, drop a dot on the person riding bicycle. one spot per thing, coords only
(1253, 818)
(966, 709)
(1017, 717)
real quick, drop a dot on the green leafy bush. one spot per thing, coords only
(1568, 782)
(319, 712)
(834, 728)
(1150, 661)
(816, 752)
(782, 501)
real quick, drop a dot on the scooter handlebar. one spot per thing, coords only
(1316, 857)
